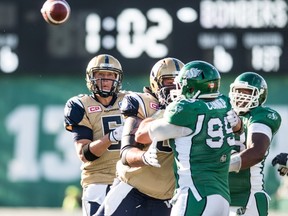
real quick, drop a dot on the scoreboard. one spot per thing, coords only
(235, 36)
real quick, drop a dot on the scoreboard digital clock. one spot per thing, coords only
(235, 36)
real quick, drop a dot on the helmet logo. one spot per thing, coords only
(193, 72)
(211, 85)
(104, 65)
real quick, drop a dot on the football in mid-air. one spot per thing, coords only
(55, 12)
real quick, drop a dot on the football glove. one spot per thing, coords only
(282, 160)
(150, 156)
(232, 118)
(283, 170)
(116, 134)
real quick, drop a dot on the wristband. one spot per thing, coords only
(235, 163)
(88, 154)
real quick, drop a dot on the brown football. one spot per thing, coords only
(55, 12)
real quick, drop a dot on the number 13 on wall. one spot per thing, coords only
(42, 148)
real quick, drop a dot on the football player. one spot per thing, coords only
(282, 160)
(248, 94)
(201, 138)
(96, 124)
(142, 189)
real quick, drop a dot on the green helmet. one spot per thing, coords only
(198, 79)
(249, 90)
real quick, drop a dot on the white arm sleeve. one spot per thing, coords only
(162, 130)
(260, 128)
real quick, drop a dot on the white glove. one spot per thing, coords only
(150, 156)
(232, 118)
(116, 134)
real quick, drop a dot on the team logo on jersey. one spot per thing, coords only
(272, 116)
(176, 109)
(154, 106)
(93, 109)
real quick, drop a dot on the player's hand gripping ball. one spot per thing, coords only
(55, 12)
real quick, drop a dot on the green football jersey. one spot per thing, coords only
(252, 179)
(201, 160)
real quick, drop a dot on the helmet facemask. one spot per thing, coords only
(244, 97)
(162, 78)
(98, 83)
(163, 94)
(249, 90)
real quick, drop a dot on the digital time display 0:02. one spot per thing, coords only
(235, 36)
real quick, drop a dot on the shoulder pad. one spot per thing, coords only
(74, 111)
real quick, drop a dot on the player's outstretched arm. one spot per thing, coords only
(159, 129)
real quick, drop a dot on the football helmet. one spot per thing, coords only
(107, 63)
(166, 68)
(243, 101)
(197, 79)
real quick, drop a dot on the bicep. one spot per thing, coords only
(259, 141)
(259, 136)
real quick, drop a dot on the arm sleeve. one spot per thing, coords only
(162, 130)
(260, 128)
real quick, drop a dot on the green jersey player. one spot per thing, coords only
(202, 140)
(248, 93)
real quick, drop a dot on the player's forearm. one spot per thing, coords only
(250, 157)
(90, 151)
(134, 157)
(100, 146)
(254, 154)
(242, 161)
(257, 145)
